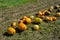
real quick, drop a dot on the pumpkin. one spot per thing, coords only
(31, 16)
(58, 14)
(14, 24)
(40, 13)
(51, 7)
(46, 12)
(22, 26)
(54, 18)
(37, 20)
(11, 30)
(36, 27)
(57, 6)
(24, 17)
(50, 10)
(49, 19)
(21, 21)
(28, 20)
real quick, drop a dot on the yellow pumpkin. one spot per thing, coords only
(28, 20)
(57, 6)
(31, 16)
(22, 26)
(52, 7)
(14, 24)
(46, 12)
(36, 27)
(37, 20)
(58, 14)
(11, 30)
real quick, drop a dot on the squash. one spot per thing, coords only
(14, 24)
(36, 27)
(51, 7)
(54, 18)
(32, 17)
(11, 31)
(21, 21)
(22, 26)
(49, 19)
(46, 12)
(50, 10)
(40, 13)
(28, 20)
(57, 6)
(37, 20)
(24, 17)
(40, 16)
(58, 14)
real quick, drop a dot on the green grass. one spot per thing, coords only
(12, 3)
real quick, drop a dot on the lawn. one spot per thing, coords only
(47, 31)
(12, 3)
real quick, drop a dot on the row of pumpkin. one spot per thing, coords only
(38, 19)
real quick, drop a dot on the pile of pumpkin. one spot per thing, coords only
(38, 19)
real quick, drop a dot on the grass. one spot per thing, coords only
(12, 3)
(47, 31)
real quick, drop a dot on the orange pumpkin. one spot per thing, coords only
(21, 21)
(24, 17)
(22, 26)
(49, 19)
(40, 13)
(28, 20)
(54, 18)
(14, 24)
(11, 30)
(46, 12)
(57, 14)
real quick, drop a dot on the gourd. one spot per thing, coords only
(22, 26)
(11, 30)
(36, 27)
(37, 20)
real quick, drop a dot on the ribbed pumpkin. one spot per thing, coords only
(58, 14)
(11, 30)
(14, 24)
(22, 26)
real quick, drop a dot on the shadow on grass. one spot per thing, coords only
(35, 23)
(17, 31)
(6, 34)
